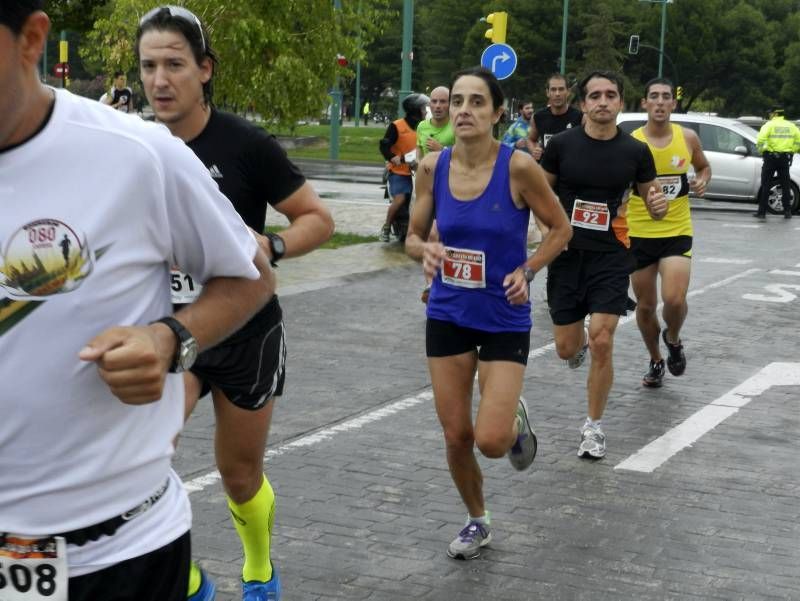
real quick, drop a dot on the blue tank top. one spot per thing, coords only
(486, 239)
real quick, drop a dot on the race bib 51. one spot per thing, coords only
(184, 289)
(464, 268)
(590, 215)
(33, 569)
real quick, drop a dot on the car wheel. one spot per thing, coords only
(775, 199)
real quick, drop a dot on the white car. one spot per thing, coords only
(730, 147)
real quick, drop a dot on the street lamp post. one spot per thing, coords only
(663, 31)
(563, 62)
(408, 37)
(336, 102)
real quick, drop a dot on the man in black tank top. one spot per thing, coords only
(246, 371)
(556, 117)
(592, 170)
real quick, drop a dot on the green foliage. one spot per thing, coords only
(337, 240)
(277, 57)
(738, 56)
(355, 143)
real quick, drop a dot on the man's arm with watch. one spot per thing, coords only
(310, 225)
(134, 360)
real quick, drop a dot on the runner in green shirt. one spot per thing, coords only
(437, 132)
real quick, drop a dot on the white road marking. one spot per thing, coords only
(706, 419)
(748, 226)
(201, 482)
(723, 260)
(783, 272)
(206, 480)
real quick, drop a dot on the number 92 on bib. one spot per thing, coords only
(464, 268)
(33, 569)
(590, 215)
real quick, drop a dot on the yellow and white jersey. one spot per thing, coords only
(672, 164)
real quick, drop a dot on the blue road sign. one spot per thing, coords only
(500, 59)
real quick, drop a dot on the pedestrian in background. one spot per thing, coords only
(778, 140)
(516, 135)
(399, 147)
(120, 96)
(556, 117)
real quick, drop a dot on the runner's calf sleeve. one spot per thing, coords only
(253, 522)
(195, 579)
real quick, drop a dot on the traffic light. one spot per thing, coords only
(499, 23)
(633, 45)
(679, 92)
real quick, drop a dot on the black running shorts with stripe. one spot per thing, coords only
(249, 369)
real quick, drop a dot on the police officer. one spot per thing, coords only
(778, 140)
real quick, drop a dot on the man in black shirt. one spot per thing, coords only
(592, 169)
(556, 117)
(246, 371)
(120, 96)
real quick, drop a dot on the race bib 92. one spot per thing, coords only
(590, 215)
(464, 268)
(33, 569)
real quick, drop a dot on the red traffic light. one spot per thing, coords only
(341, 60)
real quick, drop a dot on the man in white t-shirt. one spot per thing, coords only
(90, 508)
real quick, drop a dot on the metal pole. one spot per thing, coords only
(357, 108)
(663, 32)
(336, 101)
(563, 64)
(408, 37)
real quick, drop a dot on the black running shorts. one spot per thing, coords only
(250, 370)
(161, 575)
(445, 339)
(581, 282)
(647, 251)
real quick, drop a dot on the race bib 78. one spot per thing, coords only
(464, 268)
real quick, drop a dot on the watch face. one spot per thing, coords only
(188, 354)
(278, 245)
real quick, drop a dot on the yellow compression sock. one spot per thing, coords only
(194, 579)
(253, 521)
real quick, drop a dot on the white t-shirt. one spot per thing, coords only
(95, 209)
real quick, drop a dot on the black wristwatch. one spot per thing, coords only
(186, 351)
(528, 273)
(277, 247)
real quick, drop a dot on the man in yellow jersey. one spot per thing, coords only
(664, 247)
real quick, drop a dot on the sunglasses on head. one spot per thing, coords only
(177, 12)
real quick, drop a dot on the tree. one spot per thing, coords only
(276, 56)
